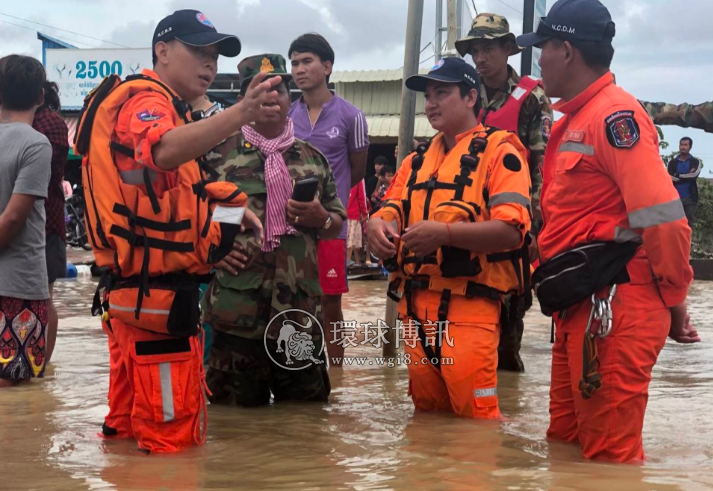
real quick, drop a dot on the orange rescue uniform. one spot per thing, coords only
(156, 253)
(466, 381)
(603, 180)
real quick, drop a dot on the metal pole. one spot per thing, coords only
(406, 127)
(528, 25)
(459, 17)
(439, 29)
(452, 25)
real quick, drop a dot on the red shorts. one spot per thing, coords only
(332, 258)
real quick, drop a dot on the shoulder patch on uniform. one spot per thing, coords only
(512, 163)
(150, 115)
(546, 127)
(622, 129)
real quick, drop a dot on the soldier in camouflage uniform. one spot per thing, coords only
(244, 358)
(517, 104)
(698, 116)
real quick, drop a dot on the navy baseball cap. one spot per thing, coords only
(193, 28)
(573, 20)
(448, 70)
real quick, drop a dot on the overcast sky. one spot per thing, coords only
(664, 47)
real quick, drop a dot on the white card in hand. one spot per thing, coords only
(228, 214)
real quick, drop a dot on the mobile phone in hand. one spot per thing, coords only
(305, 190)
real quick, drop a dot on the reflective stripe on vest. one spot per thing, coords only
(507, 198)
(508, 116)
(143, 311)
(166, 391)
(657, 215)
(576, 148)
(136, 177)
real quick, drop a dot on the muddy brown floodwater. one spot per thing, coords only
(366, 438)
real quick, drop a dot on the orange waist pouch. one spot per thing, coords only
(170, 308)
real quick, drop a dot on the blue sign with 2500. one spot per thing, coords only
(94, 69)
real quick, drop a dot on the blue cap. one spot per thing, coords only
(448, 70)
(193, 28)
(573, 20)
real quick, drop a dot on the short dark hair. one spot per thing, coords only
(464, 91)
(312, 43)
(381, 160)
(596, 54)
(689, 139)
(21, 80)
(387, 169)
(52, 96)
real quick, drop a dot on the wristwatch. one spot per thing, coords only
(328, 223)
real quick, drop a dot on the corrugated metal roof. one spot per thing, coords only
(388, 127)
(369, 76)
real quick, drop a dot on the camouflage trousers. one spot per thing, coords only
(241, 371)
(512, 327)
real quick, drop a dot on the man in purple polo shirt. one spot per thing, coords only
(338, 130)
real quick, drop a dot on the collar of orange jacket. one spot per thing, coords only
(568, 107)
(150, 73)
(475, 129)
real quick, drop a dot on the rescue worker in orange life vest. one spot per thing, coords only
(603, 183)
(156, 389)
(515, 104)
(454, 219)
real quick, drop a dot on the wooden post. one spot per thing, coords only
(406, 128)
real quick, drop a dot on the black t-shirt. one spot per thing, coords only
(371, 186)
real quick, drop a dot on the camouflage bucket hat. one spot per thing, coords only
(488, 26)
(272, 63)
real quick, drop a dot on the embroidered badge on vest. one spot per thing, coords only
(622, 129)
(149, 115)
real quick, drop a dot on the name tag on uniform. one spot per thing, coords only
(573, 136)
(518, 93)
(228, 214)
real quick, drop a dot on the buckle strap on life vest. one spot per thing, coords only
(122, 149)
(411, 313)
(151, 242)
(469, 164)
(421, 260)
(90, 107)
(392, 290)
(151, 224)
(442, 320)
(472, 290)
(416, 164)
(433, 184)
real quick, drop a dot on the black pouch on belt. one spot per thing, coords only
(573, 276)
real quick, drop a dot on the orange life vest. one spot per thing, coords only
(456, 194)
(147, 240)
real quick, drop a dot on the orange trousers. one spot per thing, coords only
(155, 388)
(466, 382)
(608, 426)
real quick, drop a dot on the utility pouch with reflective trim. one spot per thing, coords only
(166, 374)
(168, 308)
(573, 276)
